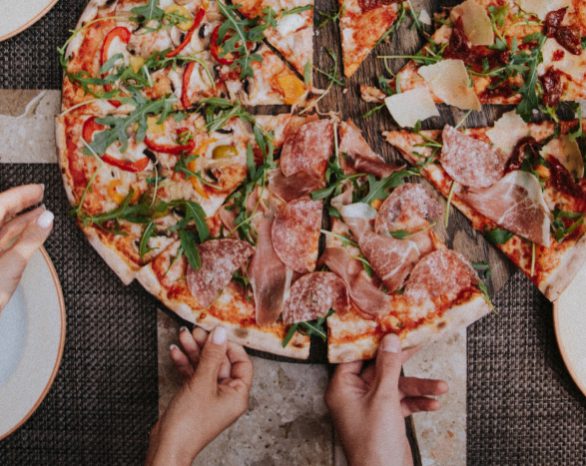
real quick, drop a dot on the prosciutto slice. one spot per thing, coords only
(469, 161)
(442, 273)
(295, 233)
(365, 295)
(391, 259)
(515, 203)
(308, 148)
(359, 156)
(313, 295)
(410, 207)
(269, 277)
(220, 258)
(294, 186)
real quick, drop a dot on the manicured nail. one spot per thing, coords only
(172, 347)
(42, 186)
(182, 329)
(45, 220)
(219, 336)
(391, 343)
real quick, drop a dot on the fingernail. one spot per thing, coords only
(182, 329)
(172, 347)
(45, 220)
(219, 336)
(42, 186)
(391, 343)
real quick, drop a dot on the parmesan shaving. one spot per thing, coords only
(449, 81)
(567, 151)
(507, 131)
(358, 210)
(541, 8)
(409, 107)
(424, 17)
(476, 22)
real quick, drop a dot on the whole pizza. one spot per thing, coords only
(287, 226)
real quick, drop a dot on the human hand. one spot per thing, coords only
(368, 405)
(21, 234)
(217, 379)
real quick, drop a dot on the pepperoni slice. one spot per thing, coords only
(220, 258)
(308, 149)
(410, 207)
(313, 295)
(294, 186)
(295, 233)
(469, 161)
(442, 273)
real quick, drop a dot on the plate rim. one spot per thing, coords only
(58, 359)
(27, 25)
(569, 367)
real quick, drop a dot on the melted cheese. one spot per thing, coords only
(567, 151)
(508, 130)
(541, 8)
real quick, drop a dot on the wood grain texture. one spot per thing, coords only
(347, 102)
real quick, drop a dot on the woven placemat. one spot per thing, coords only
(523, 407)
(105, 397)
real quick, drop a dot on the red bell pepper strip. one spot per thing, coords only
(124, 35)
(119, 32)
(91, 126)
(215, 49)
(126, 165)
(185, 84)
(174, 149)
(196, 22)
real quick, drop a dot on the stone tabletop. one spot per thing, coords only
(287, 422)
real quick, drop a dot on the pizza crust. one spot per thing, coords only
(111, 257)
(569, 265)
(365, 346)
(250, 337)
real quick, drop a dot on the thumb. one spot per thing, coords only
(213, 354)
(388, 364)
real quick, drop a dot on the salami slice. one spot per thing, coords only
(295, 233)
(442, 273)
(269, 277)
(359, 156)
(308, 149)
(363, 293)
(469, 161)
(220, 258)
(410, 207)
(313, 295)
(391, 259)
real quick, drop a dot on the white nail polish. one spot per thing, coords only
(173, 347)
(219, 336)
(45, 220)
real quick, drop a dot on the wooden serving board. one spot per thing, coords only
(348, 103)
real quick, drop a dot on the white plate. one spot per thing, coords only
(32, 335)
(17, 15)
(569, 314)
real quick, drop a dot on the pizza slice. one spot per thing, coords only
(362, 24)
(521, 184)
(290, 28)
(513, 52)
(191, 52)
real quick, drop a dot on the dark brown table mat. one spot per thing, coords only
(105, 396)
(522, 406)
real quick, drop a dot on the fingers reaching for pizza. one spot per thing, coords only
(217, 380)
(368, 404)
(22, 232)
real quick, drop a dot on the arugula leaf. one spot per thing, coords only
(296, 10)
(147, 234)
(565, 223)
(530, 99)
(311, 328)
(498, 235)
(380, 189)
(148, 12)
(189, 249)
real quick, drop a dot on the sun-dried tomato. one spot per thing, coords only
(552, 87)
(366, 5)
(526, 149)
(567, 36)
(563, 181)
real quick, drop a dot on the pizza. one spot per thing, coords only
(521, 184)
(284, 225)
(363, 23)
(519, 52)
